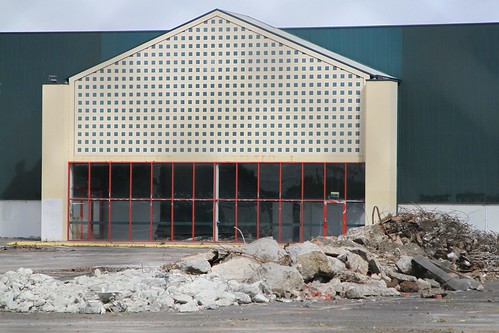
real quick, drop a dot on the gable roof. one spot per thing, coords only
(374, 74)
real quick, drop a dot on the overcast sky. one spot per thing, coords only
(111, 15)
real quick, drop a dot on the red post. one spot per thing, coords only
(302, 217)
(258, 201)
(151, 189)
(236, 233)
(172, 215)
(193, 202)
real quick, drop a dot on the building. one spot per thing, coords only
(225, 128)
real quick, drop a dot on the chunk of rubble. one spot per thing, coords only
(280, 280)
(237, 268)
(425, 267)
(371, 236)
(355, 262)
(357, 291)
(264, 250)
(310, 261)
(196, 265)
(337, 266)
(404, 264)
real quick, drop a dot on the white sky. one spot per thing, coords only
(112, 15)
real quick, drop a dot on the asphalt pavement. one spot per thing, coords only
(472, 311)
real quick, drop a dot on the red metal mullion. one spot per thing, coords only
(193, 226)
(324, 226)
(258, 201)
(130, 201)
(88, 204)
(109, 191)
(172, 202)
(236, 205)
(346, 179)
(151, 168)
(302, 213)
(279, 216)
(344, 222)
(214, 225)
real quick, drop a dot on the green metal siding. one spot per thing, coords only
(26, 61)
(448, 100)
(379, 48)
(449, 114)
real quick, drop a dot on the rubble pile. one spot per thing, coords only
(423, 254)
(444, 237)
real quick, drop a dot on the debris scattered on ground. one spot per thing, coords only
(427, 253)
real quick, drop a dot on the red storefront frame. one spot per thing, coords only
(89, 200)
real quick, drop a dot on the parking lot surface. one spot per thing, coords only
(471, 311)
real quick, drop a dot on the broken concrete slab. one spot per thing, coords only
(354, 277)
(298, 249)
(370, 236)
(279, 279)
(238, 268)
(425, 266)
(314, 265)
(404, 264)
(400, 277)
(358, 291)
(197, 265)
(337, 266)
(264, 249)
(423, 284)
(330, 250)
(462, 284)
(355, 262)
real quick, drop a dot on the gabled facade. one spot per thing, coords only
(221, 128)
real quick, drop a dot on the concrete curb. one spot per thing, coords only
(124, 245)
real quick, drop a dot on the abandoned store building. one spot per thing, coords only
(222, 128)
(228, 129)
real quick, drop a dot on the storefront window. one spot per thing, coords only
(290, 202)
(291, 181)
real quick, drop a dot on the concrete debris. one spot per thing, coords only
(278, 279)
(355, 262)
(237, 268)
(425, 253)
(265, 249)
(443, 236)
(195, 265)
(337, 266)
(404, 264)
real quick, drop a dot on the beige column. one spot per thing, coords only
(55, 102)
(381, 147)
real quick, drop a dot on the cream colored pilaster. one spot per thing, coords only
(381, 147)
(55, 103)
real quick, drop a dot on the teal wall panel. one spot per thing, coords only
(448, 100)
(377, 47)
(26, 61)
(449, 114)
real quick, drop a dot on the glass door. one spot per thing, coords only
(335, 214)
